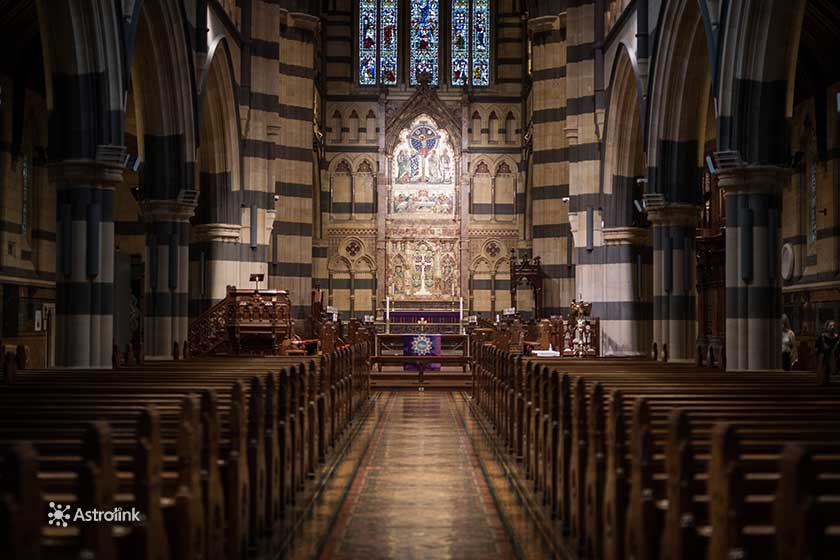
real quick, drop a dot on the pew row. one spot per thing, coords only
(214, 453)
(678, 463)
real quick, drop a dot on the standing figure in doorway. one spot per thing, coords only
(827, 352)
(788, 344)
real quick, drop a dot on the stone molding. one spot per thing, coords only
(546, 24)
(166, 210)
(753, 179)
(626, 236)
(299, 20)
(685, 215)
(226, 233)
(85, 173)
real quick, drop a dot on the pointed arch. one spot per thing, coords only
(425, 101)
(502, 266)
(339, 264)
(680, 86)
(624, 154)
(481, 168)
(364, 264)
(757, 76)
(79, 40)
(505, 166)
(480, 264)
(219, 161)
(366, 165)
(165, 96)
(340, 165)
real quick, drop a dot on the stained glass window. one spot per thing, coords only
(388, 33)
(379, 41)
(367, 42)
(424, 35)
(470, 42)
(460, 42)
(481, 43)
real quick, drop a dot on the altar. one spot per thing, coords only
(440, 316)
(430, 316)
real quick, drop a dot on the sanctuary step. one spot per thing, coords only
(449, 379)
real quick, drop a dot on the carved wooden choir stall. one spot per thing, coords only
(529, 271)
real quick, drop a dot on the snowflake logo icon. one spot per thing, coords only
(58, 516)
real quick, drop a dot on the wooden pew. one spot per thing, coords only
(574, 444)
(234, 444)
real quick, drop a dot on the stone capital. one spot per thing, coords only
(300, 20)
(85, 173)
(753, 179)
(685, 215)
(546, 24)
(226, 233)
(626, 236)
(166, 210)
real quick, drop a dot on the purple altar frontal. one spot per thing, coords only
(431, 317)
(421, 345)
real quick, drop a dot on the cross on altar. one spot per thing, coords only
(422, 264)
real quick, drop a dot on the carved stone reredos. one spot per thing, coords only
(424, 101)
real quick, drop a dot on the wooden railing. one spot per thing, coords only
(208, 331)
(246, 320)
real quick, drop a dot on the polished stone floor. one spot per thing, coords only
(418, 483)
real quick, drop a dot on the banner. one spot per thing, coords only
(421, 345)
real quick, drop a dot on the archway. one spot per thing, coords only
(679, 103)
(217, 251)
(164, 94)
(625, 318)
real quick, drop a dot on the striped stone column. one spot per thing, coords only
(674, 286)
(84, 262)
(753, 273)
(625, 306)
(215, 263)
(295, 161)
(167, 276)
(550, 162)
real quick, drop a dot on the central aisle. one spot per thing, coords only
(419, 492)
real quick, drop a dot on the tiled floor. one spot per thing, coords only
(414, 485)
